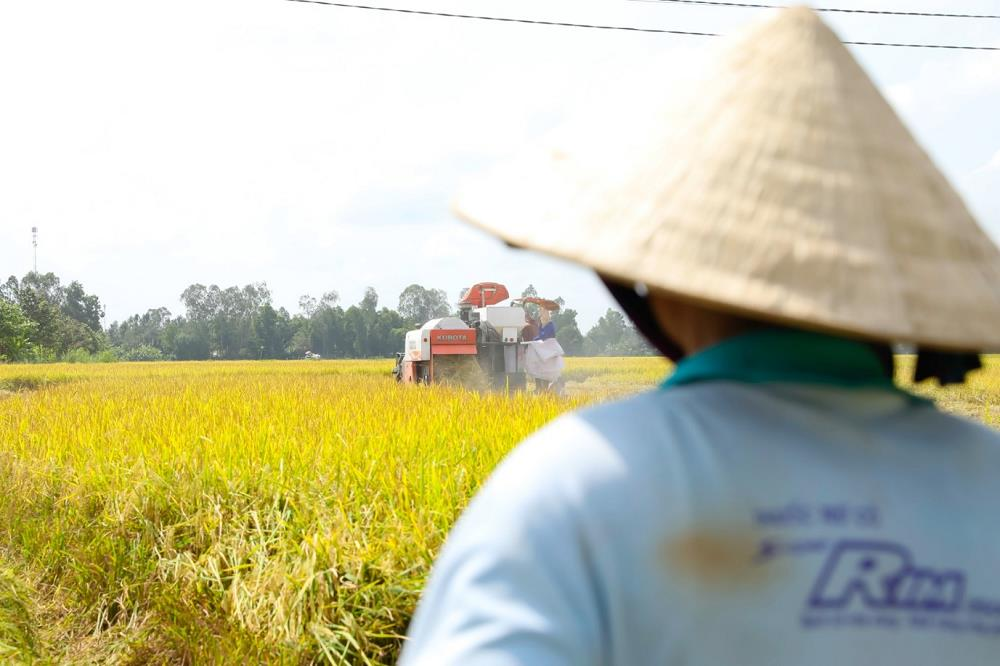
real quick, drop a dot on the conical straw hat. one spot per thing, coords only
(787, 189)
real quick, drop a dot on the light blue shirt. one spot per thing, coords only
(833, 520)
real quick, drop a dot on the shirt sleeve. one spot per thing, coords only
(547, 331)
(514, 584)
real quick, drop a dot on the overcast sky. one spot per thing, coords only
(158, 144)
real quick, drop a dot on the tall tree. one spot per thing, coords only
(568, 331)
(272, 331)
(386, 336)
(604, 338)
(531, 309)
(227, 316)
(188, 340)
(370, 300)
(418, 304)
(141, 330)
(83, 307)
(65, 318)
(634, 343)
(330, 299)
(16, 331)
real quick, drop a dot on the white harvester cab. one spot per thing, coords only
(418, 342)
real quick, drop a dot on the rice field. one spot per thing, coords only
(283, 512)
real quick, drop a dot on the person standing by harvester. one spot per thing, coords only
(544, 356)
(778, 500)
(548, 327)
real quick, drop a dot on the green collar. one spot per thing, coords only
(787, 355)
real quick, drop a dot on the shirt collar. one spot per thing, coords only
(787, 355)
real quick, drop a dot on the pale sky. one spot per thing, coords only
(158, 144)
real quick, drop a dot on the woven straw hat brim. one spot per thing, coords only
(787, 189)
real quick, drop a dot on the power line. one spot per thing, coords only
(926, 46)
(718, 3)
(508, 20)
(504, 19)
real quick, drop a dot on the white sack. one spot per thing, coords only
(543, 359)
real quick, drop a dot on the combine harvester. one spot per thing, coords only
(483, 345)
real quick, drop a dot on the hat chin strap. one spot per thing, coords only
(638, 310)
(946, 367)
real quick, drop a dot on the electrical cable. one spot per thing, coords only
(719, 3)
(504, 19)
(507, 20)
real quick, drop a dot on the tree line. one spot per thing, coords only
(43, 320)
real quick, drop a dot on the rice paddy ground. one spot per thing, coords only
(283, 512)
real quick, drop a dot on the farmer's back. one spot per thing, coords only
(725, 522)
(779, 500)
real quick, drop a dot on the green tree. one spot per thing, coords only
(16, 331)
(330, 299)
(568, 331)
(354, 333)
(65, 318)
(273, 331)
(531, 309)
(146, 330)
(301, 334)
(227, 317)
(82, 307)
(387, 333)
(634, 343)
(418, 304)
(199, 302)
(370, 300)
(188, 340)
(605, 337)
(614, 335)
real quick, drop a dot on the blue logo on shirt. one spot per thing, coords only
(881, 575)
(871, 583)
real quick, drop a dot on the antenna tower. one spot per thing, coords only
(34, 246)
